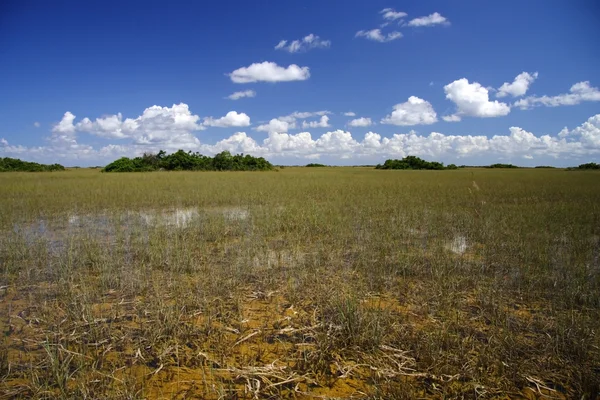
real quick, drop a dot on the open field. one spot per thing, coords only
(303, 283)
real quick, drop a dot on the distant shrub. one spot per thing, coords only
(545, 166)
(312, 165)
(502, 166)
(588, 166)
(14, 165)
(412, 162)
(182, 161)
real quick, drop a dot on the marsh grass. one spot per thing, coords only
(305, 283)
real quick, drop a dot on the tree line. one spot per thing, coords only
(189, 161)
(15, 165)
(412, 162)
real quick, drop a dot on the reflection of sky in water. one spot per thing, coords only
(107, 228)
(458, 245)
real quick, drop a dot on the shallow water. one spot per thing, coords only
(58, 231)
(458, 245)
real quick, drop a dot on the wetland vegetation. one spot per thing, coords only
(306, 283)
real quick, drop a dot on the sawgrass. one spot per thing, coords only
(301, 283)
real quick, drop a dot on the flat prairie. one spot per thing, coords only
(305, 283)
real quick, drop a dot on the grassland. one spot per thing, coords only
(303, 283)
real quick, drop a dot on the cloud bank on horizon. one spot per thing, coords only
(403, 126)
(173, 128)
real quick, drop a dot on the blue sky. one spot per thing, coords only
(83, 83)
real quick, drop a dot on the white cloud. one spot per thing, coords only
(350, 114)
(377, 36)
(304, 115)
(239, 95)
(337, 142)
(519, 86)
(581, 141)
(239, 142)
(287, 122)
(294, 145)
(65, 126)
(452, 118)
(323, 122)
(232, 118)
(360, 122)
(579, 92)
(306, 43)
(156, 125)
(269, 72)
(36, 124)
(111, 126)
(415, 111)
(429, 20)
(171, 128)
(391, 15)
(588, 133)
(161, 127)
(472, 100)
(276, 125)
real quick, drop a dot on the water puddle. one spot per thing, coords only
(458, 245)
(108, 226)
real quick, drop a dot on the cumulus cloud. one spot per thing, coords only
(167, 128)
(306, 43)
(360, 122)
(415, 111)
(472, 100)
(269, 72)
(519, 143)
(391, 15)
(451, 118)
(519, 86)
(36, 124)
(110, 126)
(239, 142)
(377, 36)
(308, 114)
(156, 125)
(164, 127)
(232, 118)
(336, 143)
(171, 128)
(578, 93)
(350, 114)
(65, 126)
(429, 20)
(287, 122)
(323, 122)
(294, 145)
(242, 94)
(276, 125)
(588, 133)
